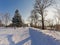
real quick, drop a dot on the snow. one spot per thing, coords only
(28, 36)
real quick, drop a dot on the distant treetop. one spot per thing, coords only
(16, 11)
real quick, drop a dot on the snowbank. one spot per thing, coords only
(28, 36)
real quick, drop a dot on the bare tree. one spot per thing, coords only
(40, 6)
(6, 19)
(50, 22)
(34, 17)
(57, 15)
(1, 17)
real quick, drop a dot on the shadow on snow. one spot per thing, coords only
(37, 38)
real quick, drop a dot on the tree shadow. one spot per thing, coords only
(23, 41)
(38, 38)
(11, 42)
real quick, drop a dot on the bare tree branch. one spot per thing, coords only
(40, 6)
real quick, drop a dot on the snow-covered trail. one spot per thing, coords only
(39, 38)
(28, 36)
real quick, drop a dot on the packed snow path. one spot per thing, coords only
(28, 36)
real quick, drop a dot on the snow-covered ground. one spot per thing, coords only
(28, 36)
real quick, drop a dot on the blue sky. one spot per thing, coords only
(24, 6)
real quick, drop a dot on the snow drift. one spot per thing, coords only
(28, 36)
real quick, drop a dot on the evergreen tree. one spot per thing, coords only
(17, 21)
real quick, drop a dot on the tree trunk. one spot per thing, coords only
(42, 20)
(35, 24)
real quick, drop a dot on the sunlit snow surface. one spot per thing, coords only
(28, 36)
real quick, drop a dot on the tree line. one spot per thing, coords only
(16, 20)
(37, 17)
